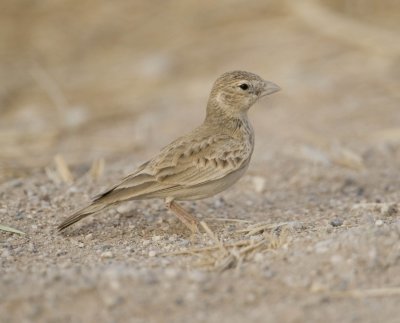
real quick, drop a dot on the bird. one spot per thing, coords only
(200, 164)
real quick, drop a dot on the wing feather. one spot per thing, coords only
(184, 163)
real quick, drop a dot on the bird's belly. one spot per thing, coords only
(208, 189)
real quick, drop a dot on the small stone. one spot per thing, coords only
(296, 225)
(198, 276)
(173, 238)
(183, 242)
(317, 287)
(389, 209)
(156, 238)
(19, 215)
(322, 246)
(258, 257)
(165, 227)
(81, 244)
(218, 203)
(106, 254)
(89, 236)
(124, 208)
(171, 272)
(336, 259)
(258, 183)
(378, 223)
(152, 253)
(336, 222)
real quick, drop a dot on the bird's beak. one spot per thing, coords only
(269, 88)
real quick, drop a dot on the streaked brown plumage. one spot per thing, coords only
(201, 163)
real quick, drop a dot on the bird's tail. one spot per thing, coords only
(82, 213)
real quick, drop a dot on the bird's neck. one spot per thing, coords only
(223, 116)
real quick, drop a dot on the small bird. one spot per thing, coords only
(200, 164)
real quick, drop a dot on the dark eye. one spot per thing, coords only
(244, 86)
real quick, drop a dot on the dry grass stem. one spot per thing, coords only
(63, 169)
(206, 249)
(97, 168)
(376, 292)
(213, 236)
(228, 220)
(222, 256)
(260, 227)
(12, 230)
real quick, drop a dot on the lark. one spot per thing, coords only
(200, 164)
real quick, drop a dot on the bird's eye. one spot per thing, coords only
(244, 86)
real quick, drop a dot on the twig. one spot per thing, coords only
(212, 236)
(228, 220)
(8, 229)
(204, 249)
(256, 228)
(63, 169)
(376, 292)
(97, 168)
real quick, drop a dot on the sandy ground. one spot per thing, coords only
(312, 231)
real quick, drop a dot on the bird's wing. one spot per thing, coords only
(199, 160)
(183, 163)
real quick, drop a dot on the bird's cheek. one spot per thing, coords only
(223, 98)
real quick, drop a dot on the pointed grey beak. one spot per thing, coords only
(270, 88)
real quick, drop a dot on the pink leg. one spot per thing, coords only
(187, 219)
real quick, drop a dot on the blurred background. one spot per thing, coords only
(117, 79)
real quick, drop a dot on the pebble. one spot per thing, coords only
(156, 238)
(5, 253)
(107, 254)
(89, 236)
(61, 253)
(389, 209)
(336, 259)
(197, 276)
(258, 183)
(219, 203)
(378, 223)
(172, 238)
(124, 208)
(183, 242)
(258, 257)
(152, 253)
(165, 227)
(171, 272)
(296, 225)
(337, 222)
(322, 246)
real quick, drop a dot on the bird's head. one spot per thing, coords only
(235, 92)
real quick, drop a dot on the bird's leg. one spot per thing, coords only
(187, 219)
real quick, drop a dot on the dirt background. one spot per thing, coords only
(310, 234)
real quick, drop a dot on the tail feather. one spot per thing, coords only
(79, 215)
